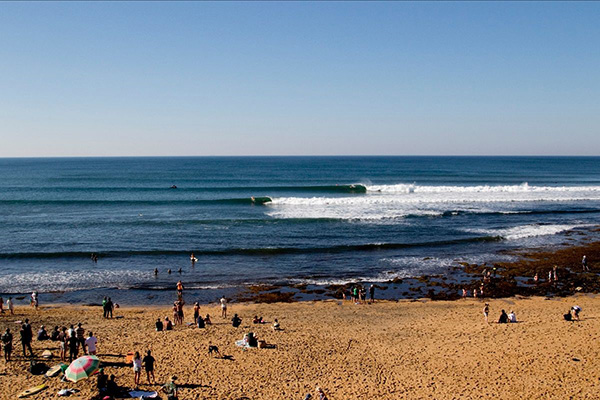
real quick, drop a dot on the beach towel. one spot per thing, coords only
(143, 394)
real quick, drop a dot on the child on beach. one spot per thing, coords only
(137, 368)
(207, 320)
(170, 389)
(276, 326)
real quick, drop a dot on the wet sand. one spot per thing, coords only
(388, 350)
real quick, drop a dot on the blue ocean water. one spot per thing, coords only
(283, 220)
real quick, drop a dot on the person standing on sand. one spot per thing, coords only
(584, 263)
(10, 306)
(1, 305)
(104, 307)
(372, 293)
(62, 339)
(91, 343)
(137, 369)
(475, 293)
(223, 307)
(26, 337)
(73, 347)
(80, 334)
(486, 312)
(7, 344)
(464, 293)
(110, 307)
(554, 273)
(148, 363)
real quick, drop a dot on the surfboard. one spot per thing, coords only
(32, 390)
(47, 354)
(52, 372)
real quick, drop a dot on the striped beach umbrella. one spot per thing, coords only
(82, 368)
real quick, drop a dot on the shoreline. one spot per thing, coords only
(510, 279)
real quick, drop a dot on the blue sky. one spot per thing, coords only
(287, 78)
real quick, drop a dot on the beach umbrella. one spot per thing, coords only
(82, 368)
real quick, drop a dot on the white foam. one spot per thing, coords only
(525, 231)
(392, 202)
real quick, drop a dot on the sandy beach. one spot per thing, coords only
(387, 350)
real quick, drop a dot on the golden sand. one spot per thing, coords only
(388, 350)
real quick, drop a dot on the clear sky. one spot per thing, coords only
(287, 78)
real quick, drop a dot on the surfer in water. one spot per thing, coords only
(155, 271)
(193, 259)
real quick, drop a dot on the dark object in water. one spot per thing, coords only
(173, 186)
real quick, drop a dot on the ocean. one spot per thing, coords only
(276, 220)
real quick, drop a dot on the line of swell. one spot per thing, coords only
(356, 188)
(515, 212)
(254, 251)
(243, 200)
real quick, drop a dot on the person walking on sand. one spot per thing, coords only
(7, 344)
(148, 363)
(137, 368)
(584, 263)
(223, 307)
(486, 312)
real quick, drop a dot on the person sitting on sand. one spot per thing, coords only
(168, 324)
(512, 317)
(258, 320)
(101, 383)
(207, 320)
(42, 334)
(112, 389)
(170, 389)
(276, 326)
(54, 335)
(200, 322)
(503, 318)
(159, 325)
(236, 321)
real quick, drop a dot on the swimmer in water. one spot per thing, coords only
(169, 271)
(180, 270)
(155, 271)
